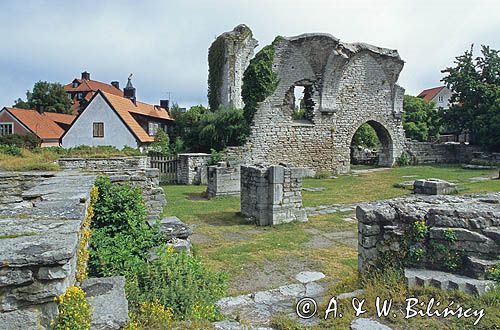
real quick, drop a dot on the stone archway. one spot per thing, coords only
(386, 151)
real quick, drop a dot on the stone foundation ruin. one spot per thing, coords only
(344, 85)
(223, 180)
(271, 194)
(446, 234)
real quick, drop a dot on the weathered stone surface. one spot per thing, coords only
(306, 276)
(180, 245)
(433, 187)
(468, 225)
(173, 227)
(192, 168)
(447, 281)
(368, 324)
(270, 196)
(107, 298)
(337, 104)
(478, 267)
(223, 180)
(38, 244)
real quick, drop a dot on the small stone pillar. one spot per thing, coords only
(271, 194)
(433, 187)
(192, 168)
(223, 180)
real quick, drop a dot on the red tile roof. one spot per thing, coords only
(61, 117)
(429, 94)
(126, 107)
(42, 125)
(89, 87)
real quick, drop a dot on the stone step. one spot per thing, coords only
(478, 267)
(447, 281)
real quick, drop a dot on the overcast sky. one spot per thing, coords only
(164, 43)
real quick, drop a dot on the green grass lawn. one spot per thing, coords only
(380, 185)
(260, 258)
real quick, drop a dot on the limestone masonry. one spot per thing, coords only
(223, 180)
(271, 194)
(463, 236)
(347, 85)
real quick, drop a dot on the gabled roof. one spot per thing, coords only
(42, 125)
(61, 117)
(125, 107)
(429, 94)
(85, 85)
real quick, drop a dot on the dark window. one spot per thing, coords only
(98, 130)
(6, 129)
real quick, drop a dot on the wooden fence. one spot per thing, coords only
(167, 166)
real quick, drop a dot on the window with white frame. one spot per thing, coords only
(98, 130)
(6, 128)
(440, 99)
(153, 128)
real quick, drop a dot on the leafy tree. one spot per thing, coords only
(161, 144)
(475, 102)
(49, 95)
(365, 136)
(203, 130)
(421, 120)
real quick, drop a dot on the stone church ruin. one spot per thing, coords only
(340, 86)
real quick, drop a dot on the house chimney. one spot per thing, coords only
(164, 104)
(129, 90)
(115, 84)
(85, 75)
(40, 109)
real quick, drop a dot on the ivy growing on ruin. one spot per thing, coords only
(216, 61)
(259, 79)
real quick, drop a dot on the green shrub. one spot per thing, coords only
(365, 136)
(403, 160)
(179, 282)
(9, 149)
(74, 311)
(29, 141)
(493, 273)
(121, 237)
(215, 157)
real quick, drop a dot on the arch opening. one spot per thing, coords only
(299, 102)
(371, 144)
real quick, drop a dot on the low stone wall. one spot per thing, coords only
(223, 180)
(192, 168)
(440, 153)
(139, 162)
(271, 194)
(39, 239)
(131, 170)
(458, 234)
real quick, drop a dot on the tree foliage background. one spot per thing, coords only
(475, 83)
(50, 95)
(365, 136)
(421, 120)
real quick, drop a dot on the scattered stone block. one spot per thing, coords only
(223, 180)
(180, 245)
(172, 227)
(109, 305)
(307, 276)
(433, 187)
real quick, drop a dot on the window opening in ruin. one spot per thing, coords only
(302, 103)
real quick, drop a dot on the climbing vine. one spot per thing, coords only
(259, 79)
(216, 61)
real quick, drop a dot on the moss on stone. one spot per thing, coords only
(216, 61)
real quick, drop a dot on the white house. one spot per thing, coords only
(118, 121)
(439, 95)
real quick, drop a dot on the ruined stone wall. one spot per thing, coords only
(138, 162)
(223, 180)
(272, 195)
(237, 51)
(132, 170)
(459, 234)
(39, 239)
(351, 84)
(442, 153)
(192, 168)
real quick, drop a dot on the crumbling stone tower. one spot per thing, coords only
(228, 57)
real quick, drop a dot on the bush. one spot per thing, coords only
(121, 236)
(403, 160)
(215, 157)
(11, 150)
(366, 136)
(74, 310)
(178, 281)
(29, 141)
(122, 244)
